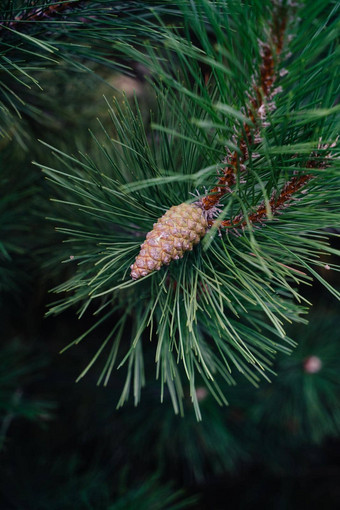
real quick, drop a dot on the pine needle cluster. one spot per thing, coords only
(222, 310)
(43, 35)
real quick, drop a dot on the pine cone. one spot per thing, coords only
(177, 231)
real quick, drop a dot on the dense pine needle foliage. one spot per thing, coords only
(43, 34)
(223, 309)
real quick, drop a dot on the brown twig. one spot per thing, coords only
(278, 202)
(275, 204)
(260, 100)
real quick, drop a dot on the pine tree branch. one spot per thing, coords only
(260, 101)
(173, 235)
(277, 203)
(222, 309)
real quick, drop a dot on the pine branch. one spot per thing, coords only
(182, 227)
(283, 200)
(222, 309)
(260, 101)
(275, 204)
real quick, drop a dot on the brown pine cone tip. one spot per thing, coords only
(177, 231)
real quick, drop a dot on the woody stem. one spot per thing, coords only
(262, 92)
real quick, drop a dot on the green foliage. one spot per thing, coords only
(93, 487)
(304, 401)
(270, 425)
(47, 35)
(223, 308)
(17, 370)
(185, 448)
(154, 496)
(18, 190)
